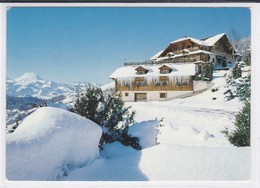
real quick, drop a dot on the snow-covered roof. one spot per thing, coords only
(156, 55)
(180, 55)
(177, 70)
(197, 41)
(212, 40)
(208, 42)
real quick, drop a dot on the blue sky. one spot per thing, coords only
(88, 44)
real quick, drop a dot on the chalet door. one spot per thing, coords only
(140, 97)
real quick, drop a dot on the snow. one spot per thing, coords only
(180, 55)
(108, 86)
(59, 105)
(156, 55)
(154, 71)
(28, 78)
(197, 41)
(208, 42)
(49, 143)
(181, 141)
(212, 40)
(30, 84)
(191, 163)
(191, 146)
(146, 131)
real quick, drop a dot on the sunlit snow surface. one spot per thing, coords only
(189, 145)
(49, 143)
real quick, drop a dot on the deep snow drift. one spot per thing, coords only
(49, 143)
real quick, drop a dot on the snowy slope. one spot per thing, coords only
(191, 145)
(49, 143)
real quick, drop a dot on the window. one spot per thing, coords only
(126, 94)
(141, 83)
(141, 72)
(163, 95)
(182, 80)
(126, 83)
(158, 83)
(165, 71)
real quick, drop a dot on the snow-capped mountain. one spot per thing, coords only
(29, 78)
(32, 85)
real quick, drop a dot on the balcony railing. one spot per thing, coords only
(152, 87)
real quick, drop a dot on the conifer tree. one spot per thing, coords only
(241, 135)
(237, 72)
(87, 103)
(110, 113)
(244, 88)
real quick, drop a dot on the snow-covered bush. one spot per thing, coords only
(110, 113)
(241, 135)
(50, 143)
(146, 131)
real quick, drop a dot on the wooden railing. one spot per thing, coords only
(169, 87)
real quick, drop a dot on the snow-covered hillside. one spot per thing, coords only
(191, 145)
(181, 140)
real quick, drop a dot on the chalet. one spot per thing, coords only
(217, 50)
(170, 73)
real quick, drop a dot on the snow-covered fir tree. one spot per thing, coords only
(239, 85)
(110, 113)
(241, 135)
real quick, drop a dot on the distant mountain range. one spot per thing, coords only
(32, 85)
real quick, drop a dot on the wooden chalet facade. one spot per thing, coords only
(217, 50)
(154, 82)
(169, 74)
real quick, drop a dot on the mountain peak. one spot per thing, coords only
(27, 78)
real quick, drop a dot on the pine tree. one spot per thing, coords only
(241, 135)
(110, 113)
(87, 103)
(244, 88)
(237, 72)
